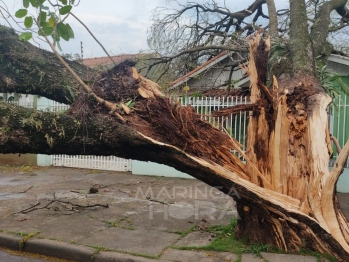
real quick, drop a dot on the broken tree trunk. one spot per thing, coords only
(285, 192)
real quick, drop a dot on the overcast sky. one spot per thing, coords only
(120, 25)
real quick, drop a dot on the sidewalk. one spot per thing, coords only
(131, 218)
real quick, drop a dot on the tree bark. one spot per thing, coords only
(301, 45)
(284, 194)
(26, 69)
(322, 21)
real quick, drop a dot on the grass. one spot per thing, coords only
(25, 236)
(123, 222)
(227, 242)
(184, 232)
(18, 233)
(98, 249)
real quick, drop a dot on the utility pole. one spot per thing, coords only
(81, 50)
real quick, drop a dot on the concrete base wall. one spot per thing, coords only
(16, 159)
(343, 182)
(44, 160)
(154, 169)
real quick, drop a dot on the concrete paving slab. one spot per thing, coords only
(202, 256)
(70, 227)
(148, 242)
(272, 257)
(252, 258)
(196, 239)
(25, 221)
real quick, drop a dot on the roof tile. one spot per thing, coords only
(105, 60)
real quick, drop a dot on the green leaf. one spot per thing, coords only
(65, 9)
(35, 3)
(46, 31)
(26, 36)
(28, 21)
(44, 24)
(130, 104)
(42, 17)
(59, 46)
(63, 31)
(55, 36)
(21, 13)
(71, 92)
(70, 31)
(65, 2)
(52, 21)
(26, 3)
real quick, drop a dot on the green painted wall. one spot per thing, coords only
(340, 122)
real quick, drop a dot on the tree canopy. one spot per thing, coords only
(197, 31)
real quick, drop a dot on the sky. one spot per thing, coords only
(121, 26)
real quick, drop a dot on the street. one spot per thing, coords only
(15, 256)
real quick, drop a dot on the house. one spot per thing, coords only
(213, 74)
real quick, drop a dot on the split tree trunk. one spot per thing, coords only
(289, 145)
(285, 192)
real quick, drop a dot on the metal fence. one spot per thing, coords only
(339, 123)
(235, 125)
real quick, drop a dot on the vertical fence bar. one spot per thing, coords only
(245, 124)
(344, 120)
(339, 118)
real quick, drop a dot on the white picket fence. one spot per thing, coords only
(86, 161)
(92, 162)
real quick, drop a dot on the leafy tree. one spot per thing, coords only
(197, 31)
(286, 192)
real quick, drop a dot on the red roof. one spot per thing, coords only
(198, 68)
(105, 60)
(211, 60)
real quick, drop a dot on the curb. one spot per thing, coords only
(66, 251)
(10, 241)
(59, 249)
(105, 256)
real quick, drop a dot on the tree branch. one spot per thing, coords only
(322, 21)
(273, 20)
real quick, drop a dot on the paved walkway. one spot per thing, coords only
(130, 218)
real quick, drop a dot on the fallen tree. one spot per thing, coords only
(285, 191)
